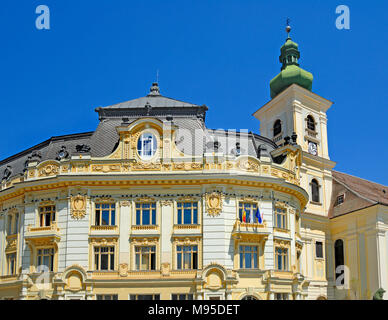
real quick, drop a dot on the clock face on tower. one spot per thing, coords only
(313, 148)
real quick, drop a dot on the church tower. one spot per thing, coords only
(294, 111)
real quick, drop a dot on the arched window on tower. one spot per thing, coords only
(314, 191)
(277, 128)
(310, 123)
(339, 259)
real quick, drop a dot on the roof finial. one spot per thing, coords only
(288, 27)
(154, 91)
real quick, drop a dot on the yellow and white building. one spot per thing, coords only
(154, 205)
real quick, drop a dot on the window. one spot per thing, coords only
(281, 296)
(187, 212)
(188, 296)
(16, 223)
(280, 218)
(9, 225)
(250, 210)
(144, 297)
(281, 259)
(310, 123)
(249, 298)
(145, 258)
(45, 259)
(46, 215)
(318, 249)
(105, 214)
(145, 214)
(146, 146)
(104, 258)
(277, 128)
(11, 264)
(339, 259)
(187, 257)
(315, 191)
(107, 297)
(248, 257)
(340, 199)
(297, 222)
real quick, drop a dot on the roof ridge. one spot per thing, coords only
(360, 178)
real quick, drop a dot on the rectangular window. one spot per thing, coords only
(281, 259)
(45, 259)
(146, 214)
(16, 224)
(318, 249)
(9, 222)
(104, 258)
(187, 213)
(248, 257)
(107, 297)
(46, 215)
(144, 297)
(247, 212)
(280, 218)
(340, 199)
(145, 258)
(187, 257)
(188, 296)
(297, 222)
(281, 296)
(11, 264)
(105, 214)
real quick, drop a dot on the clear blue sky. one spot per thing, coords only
(219, 53)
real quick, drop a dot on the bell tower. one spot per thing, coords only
(295, 109)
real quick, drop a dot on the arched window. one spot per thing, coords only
(249, 298)
(146, 146)
(310, 123)
(314, 190)
(339, 258)
(277, 127)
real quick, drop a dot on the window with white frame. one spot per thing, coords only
(147, 145)
(146, 213)
(187, 257)
(104, 258)
(187, 212)
(280, 218)
(105, 214)
(248, 257)
(145, 258)
(247, 212)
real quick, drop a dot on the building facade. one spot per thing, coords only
(155, 205)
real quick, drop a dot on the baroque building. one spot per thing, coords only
(155, 205)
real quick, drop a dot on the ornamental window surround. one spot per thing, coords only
(187, 257)
(46, 215)
(105, 214)
(145, 213)
(104, 258)
(45, 259)
(281, 258)
(187, 212)
(248, 257)
(145, 258)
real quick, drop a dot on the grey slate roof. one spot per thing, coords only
(192, 137)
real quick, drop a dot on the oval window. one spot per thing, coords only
(146, 146)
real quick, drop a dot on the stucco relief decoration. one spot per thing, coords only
(248, 165)
(78, 207)
(123, 269)
(214, 203)
(166, 202)
(48, 170)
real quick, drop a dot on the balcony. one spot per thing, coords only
(182, 229)
(104, 230)
(43, 235)
(250, 232)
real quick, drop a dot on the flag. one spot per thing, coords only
(258, 216)
(244, 216)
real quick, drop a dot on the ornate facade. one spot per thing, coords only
(154, 205)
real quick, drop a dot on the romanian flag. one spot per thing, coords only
(244, 216)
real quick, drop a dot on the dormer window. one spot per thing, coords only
(277, 128)
(146, 146)
(310, 123)
(340, 199)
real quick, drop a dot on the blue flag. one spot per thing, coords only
(258, 216)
